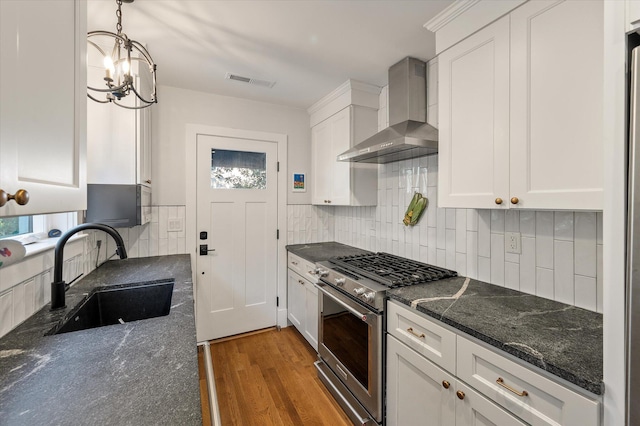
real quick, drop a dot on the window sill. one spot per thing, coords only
(47, 244)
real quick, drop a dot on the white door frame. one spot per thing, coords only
(193, 130)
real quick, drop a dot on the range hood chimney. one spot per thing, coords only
(408, 135)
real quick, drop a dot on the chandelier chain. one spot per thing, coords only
(119, 16)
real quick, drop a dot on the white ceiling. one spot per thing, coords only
(308, 47)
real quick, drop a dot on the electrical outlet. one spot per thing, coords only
(175, 224)
(512, 242)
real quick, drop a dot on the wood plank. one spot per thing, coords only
(268, 378)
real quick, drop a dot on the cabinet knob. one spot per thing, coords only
(445, 384)
(148, 181)
(514, 200)
(498, 200)
(460, 395)
(21, 197)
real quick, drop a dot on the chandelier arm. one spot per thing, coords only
(142, 50)
(96, 46)
(128, 107)
(98, 100)
(110, 89)
(143, 99)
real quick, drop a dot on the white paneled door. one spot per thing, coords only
(237, 209)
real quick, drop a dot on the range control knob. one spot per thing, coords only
(359, 291)
(340, 281)
(369, 296)
(321, 272)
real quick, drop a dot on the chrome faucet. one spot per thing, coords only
(58, 286)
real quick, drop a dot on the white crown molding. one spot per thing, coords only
(449, 14)
(344, 88)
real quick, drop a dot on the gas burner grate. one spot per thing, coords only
(390, 270)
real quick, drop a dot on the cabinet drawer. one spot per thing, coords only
(545, 403)
(302, 267)
(422, 335)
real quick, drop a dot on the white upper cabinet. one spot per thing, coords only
(43, 105)
(557, 55)
(633, 14)
(473, 98)
(118, 139)
(339, 121)
(521, 111)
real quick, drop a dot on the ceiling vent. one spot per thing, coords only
(254, 81)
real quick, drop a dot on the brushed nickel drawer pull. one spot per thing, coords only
(501, 382)
(419, 336)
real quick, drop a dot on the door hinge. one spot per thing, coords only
(278, 166)
(277, 301)
(277, 234)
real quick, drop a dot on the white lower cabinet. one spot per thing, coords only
(419, 392)
(302, 307)
(486, 389)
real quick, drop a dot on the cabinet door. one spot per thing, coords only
(556, 105)
(311, 314)
(43, 104)
(322, 177)
(473, 97)
(474, 409)
(144, 134)
(416, 389)
(295, 300)
(341, 137)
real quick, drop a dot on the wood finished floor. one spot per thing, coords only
(268, 378)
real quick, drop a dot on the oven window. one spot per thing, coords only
(347, 337)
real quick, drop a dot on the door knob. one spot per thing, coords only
(21, 197)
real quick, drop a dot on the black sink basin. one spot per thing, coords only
(119, 305)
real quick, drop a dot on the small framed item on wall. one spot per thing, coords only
(299, 184)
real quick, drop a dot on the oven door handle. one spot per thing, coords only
(362, 316)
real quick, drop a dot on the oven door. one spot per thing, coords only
(349, 342)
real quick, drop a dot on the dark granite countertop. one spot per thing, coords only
(564, 340)
(316, 252)
(138, 373)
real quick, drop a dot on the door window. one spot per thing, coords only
(238, 169)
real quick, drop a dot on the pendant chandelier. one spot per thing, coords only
(126, 64)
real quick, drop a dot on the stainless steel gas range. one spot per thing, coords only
(352, 290)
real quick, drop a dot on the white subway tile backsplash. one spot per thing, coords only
(586, 292)
(585, 244)
(512, 221)
(6, 312)
(563, 226)
(497, 259)
(484, 233)
(563, 276)
(472, 254)
(544, 283)
(484, 269)
(528, 223)
(544, 240)
(512, 275)
(528, 265)
(461, 230)
(560, 250)
(497, 221)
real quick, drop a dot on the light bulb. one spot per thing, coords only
(108, 65)
(125, 67)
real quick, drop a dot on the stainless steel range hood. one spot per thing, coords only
(408, 135)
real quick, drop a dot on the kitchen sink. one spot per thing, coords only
(118, 306)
